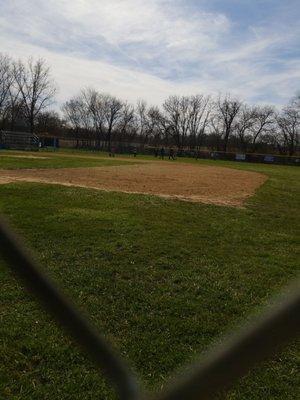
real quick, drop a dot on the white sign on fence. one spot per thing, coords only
(240, 157)
(269, 159)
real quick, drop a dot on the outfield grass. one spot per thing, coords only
(14, 160)
(161, 279)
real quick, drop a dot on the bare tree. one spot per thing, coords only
(171, 108)
(141, 118)
(289, 126)
(228, 110)
(49, 121)
(199, 113)
(177, 115)
(154, 125)
(216, 131)
(112, 114)
(36, 88)
(263, 118)
(6, 81)
(15, 112)
(243, 125)
(183, 121)
(127, 126)
(94, 105)
(98, 115)
(74, 114)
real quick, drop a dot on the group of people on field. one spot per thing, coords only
(161, 153)
(112, 152)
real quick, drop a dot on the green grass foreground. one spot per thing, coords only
(161, 279)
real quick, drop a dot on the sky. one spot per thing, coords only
(147, 49)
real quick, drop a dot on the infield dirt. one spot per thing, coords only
(207, 184)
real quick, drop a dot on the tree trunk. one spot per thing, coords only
(226, 138)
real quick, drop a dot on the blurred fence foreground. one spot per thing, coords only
(218, 371)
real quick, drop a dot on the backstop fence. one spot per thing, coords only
(217, 372)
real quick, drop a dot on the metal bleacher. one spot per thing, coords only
(19, 140)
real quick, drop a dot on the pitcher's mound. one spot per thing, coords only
(189, 182)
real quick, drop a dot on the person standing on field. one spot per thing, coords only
(171, 154)
(162, 153)
(112, 152)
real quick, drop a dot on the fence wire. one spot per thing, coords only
(218, 371)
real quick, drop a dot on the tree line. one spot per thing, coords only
(27, 92)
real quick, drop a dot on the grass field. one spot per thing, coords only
(162, 279)
(54, 160)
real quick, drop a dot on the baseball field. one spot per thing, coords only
(164, 257)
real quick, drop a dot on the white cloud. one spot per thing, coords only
(152, 22)
(149, 49)
(71, 73)
(144, 29)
